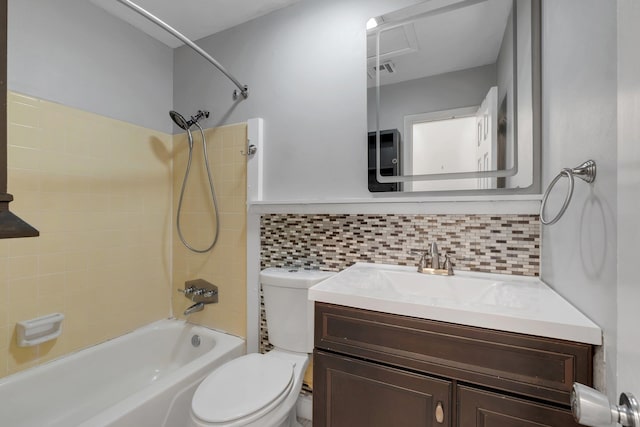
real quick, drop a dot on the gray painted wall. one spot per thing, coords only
(74, 53)
(504, 64)
(628, 195)
(306, 70)
(504, 68)
(579, 122)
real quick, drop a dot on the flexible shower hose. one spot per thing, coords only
(213, 193)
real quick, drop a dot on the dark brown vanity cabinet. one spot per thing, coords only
(375, 369)
(360, 393)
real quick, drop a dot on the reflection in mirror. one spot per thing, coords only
(452, 82)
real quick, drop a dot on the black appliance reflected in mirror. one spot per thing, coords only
(390, 160)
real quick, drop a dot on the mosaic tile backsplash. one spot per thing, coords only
(507, 244)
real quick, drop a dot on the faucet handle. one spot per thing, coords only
(421, 253)
(448, 264)
(187, 291)
(210, 293)
(422, 263)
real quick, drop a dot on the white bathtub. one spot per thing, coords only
(142, 379)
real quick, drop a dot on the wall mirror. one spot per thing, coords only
(453, 97)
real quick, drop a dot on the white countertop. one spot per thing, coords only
(495, 301)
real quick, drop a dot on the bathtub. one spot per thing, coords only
(142, 379)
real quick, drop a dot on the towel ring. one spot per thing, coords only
(586, 172)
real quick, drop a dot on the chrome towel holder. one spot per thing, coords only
(586, 172)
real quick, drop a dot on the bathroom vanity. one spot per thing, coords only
(435, 367)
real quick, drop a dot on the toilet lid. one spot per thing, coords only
(242, 387)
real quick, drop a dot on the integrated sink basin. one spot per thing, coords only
(436, 289)
(495, 301)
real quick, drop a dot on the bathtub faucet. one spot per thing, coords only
(199, 306)
(200, 292)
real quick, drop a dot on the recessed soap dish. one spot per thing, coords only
(41, 329)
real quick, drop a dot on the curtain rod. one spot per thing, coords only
(243, 88)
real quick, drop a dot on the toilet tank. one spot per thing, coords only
(288, 309)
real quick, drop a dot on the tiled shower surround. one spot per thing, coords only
(507, 244)
(98, 190)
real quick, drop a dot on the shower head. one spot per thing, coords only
(184, 123)
(180, 120)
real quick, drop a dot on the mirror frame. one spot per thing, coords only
(10, 225)
(536, 96)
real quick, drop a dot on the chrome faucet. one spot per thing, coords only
(435, 256)
(429, 262)
(199, 306)
(200, 292)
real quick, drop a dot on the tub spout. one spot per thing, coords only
(199, 306)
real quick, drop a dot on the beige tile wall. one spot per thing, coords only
(225, 265)
(99, 191)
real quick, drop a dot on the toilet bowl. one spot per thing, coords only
(262, 389)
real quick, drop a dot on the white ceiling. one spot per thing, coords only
(462, 38)
(193, 18)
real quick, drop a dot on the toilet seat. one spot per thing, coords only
(245, 387)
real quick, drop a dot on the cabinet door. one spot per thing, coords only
(482, 408)
(352, 393)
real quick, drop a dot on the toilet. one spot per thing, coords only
(262, 389)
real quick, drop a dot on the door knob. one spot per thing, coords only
(592, 408)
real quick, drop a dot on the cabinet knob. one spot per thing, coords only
(439, 413)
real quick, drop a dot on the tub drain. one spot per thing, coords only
(195, 340)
